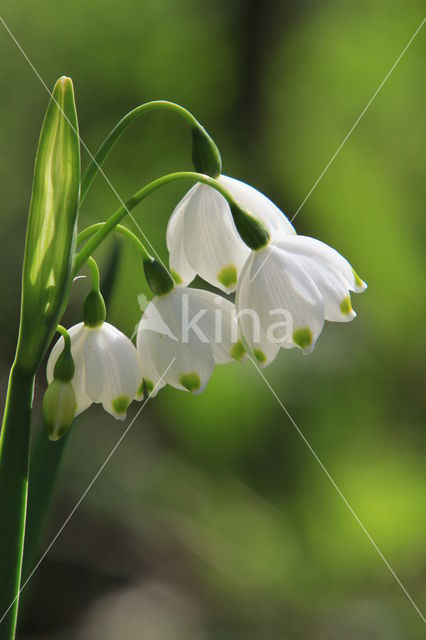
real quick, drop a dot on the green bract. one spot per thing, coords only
(252, 230)
(94, 310)
(51, 230)
(158, 278)
(205, 154)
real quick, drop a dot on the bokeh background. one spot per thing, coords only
(213, 520)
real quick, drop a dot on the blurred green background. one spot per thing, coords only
(213, 521)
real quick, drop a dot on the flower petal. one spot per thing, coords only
(250, 309)
(211, 242)
(213, 318)
(314, 252)
(286, 300)
(179, 265)
(78, 334)
(180, 352)
(185, 366)
(150, 374)
(113, 369)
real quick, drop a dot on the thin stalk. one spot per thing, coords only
(135, 199)
(14, 463)
(112, 138)
(124, 231)
(94, 270)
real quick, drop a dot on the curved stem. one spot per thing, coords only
(111, 139)
(66, 336)
(135, 199)
(89, 231)
(95, 273)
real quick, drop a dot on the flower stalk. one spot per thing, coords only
(205, 154)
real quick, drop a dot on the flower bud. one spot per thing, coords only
(252, 230)
(49, 248)
(158, 278)
(59, 407)
(205, 154)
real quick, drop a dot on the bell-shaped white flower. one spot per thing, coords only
(288, 289)
(182, 335)
(202, 237)
(107, 368)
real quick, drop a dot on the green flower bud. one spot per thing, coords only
(205, 154)
(158, 278)
(94, 310)
(252, 230)
(59, 407)
(51, 230)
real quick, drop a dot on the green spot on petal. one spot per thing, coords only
(228, 276)
(259, 355)
(145, 388)
(190, 381)
(346, 306)
(120, 404)
(238, 350)
(176, 277)
(149, 385)
(358, 281)
(302, 337)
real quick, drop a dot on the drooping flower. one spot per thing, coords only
(287, 290)
(107, 368)
(182, 335)
(202, 237)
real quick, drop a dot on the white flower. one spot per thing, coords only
(107, 368)
(202, 237)
(182, 335)
(289, 288)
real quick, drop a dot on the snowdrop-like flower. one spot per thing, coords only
(288, 289)
(182, 335)
(107, 368)
(202, 237)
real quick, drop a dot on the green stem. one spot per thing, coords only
(135, 199)
(14, 462)
(94, 270)
(109, 142)
(66, 336)
(89, 231)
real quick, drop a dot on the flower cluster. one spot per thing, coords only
(286, 287)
